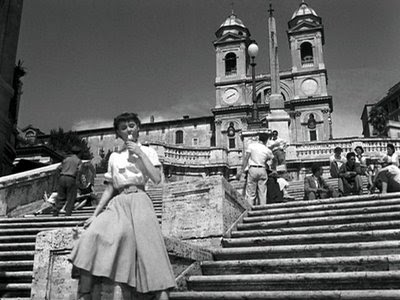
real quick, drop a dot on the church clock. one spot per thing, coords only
(230, 96)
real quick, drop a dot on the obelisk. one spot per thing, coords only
(278, 119)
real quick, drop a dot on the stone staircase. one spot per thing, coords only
(17, 244)
(341, 248)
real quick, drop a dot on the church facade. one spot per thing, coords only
(306, 101)
(303, 88)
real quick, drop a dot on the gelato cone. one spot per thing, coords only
(130, 137)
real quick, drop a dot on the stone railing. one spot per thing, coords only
(373, 147)
(23, 188)
(193, 156)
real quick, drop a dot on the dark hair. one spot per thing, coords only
(338, 149)
(125, 117)
(315, 168)
(76, 150)
(391, 146)
(349, 155)
(275, 131)
(263, 137)
(359, 147)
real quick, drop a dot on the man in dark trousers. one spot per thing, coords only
(67, 183)
(315, 187)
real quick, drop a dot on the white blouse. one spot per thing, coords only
(129, 170)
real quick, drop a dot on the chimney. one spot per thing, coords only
(151, 119)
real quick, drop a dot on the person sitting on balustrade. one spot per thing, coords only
(391, 156)
(350, 182)
(336, 161)
(315, 186)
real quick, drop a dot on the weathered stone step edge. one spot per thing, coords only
(301, 277)
(16, 274)
(15, 254)
(347, 219)
(311, 250)
(34, 230)
(16, 298)
(384, 262)
(264, 212)
(43, 218)
(15, 286)
(4, 246)
(299, 203)
(21, 238)
(317, 229)
(289, 295)
(311, 238)
(340, 212)
(39, 224)
(19, 263)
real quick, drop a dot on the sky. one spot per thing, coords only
(89, 60)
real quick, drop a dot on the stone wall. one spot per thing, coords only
(201, 211)
(26, 187)
(52, 271)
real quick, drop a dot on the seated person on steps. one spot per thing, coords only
(315, 187)
(387, 179)
(350, 182)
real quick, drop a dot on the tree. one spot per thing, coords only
(62, 142)
(378, 118)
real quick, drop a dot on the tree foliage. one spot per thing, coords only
(62, 142)
(378, 118)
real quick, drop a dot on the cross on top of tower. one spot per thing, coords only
(271, 10)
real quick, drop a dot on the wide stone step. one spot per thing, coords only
(311, 250)
(317, 229)
(16, 265)
(305, 203)
(41, 218)
(43, 225)
(17, 239)
(16, 255)
(324, 207)
(16, 276)
(17, 246)
(324, 213)
(298, 281)
(314, 238)
(302, 265)
(290, 295)
(30, 231)
(326, 220)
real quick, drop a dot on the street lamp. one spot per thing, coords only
(253, 51)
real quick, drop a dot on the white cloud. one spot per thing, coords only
(92, 124)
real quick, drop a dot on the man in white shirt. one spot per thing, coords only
(277, 146)
(256, 156)
(336, 161)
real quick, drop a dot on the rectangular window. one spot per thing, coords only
(232, 143)
(147, 132)
(195, 141)
(116, 149)
(162, 130)
(313, 135)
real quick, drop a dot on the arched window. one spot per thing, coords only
(179, 137)
(231, 136)
(312, 125)
(306, 53)
(230, 64)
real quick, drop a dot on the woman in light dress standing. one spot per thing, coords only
(124, 242)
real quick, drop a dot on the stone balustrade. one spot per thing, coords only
(321, 150)
(318, 150)
(22, 188)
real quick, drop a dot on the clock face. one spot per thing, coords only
(309, 87)
(230, 96)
